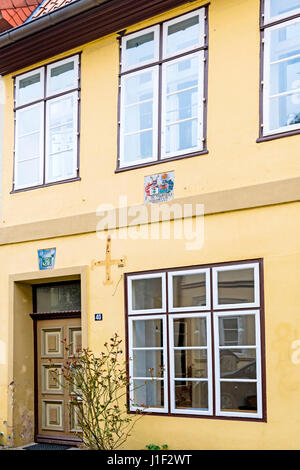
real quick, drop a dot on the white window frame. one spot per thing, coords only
(75, 125)
(146, 379)
(201, 14)
(266, 82)
(74, 59)
(123, 162)
(199, 116)
(217, 269)
(267, 13)
(27, 75)
(137, 34)
(218, 378)
(186, 272)
(41, 146)
(162, 276)
(172, 348)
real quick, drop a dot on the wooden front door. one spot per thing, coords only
(56, 419)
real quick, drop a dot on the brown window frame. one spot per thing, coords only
(211, 309)
(159, 63)
(44, 100)
(263, 26)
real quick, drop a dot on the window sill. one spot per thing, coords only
(165, 160)
(46, 185)
(280, 135)
(199, 416)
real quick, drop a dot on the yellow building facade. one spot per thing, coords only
(241, 188)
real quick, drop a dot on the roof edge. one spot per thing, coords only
(50, 19)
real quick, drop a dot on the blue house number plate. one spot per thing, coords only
(98, 316)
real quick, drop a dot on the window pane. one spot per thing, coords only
(238, 396)
(148, 363)
(30, 89)
(183, 35)
(147, 333)
(284, 111)
(189, 290)
(147, 293)
(236, 286)
(61, 138)
(140, 49)
(190, 363)
(191, 395)
(61, 110)
(182, 106)
(148, 393)
(284, 42)
(59, 298)
(29, 120)
(280, 7)
(60, 165)
(62, 77)
(238, 363)
(29, 146)
(237, 330)
(284, 76)
(29, 172)
(190, 332)
(138, 117)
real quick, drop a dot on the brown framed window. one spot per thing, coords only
(195, 341)
(163, 88)
(47, 124)
(280, 68)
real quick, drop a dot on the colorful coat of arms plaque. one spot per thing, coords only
(159, 188)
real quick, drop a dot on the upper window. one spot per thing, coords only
(194, 341)
(281, 70)
(162, 91)
(46, 131)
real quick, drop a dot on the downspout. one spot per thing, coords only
(47, 20)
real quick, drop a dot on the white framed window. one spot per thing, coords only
(238, 381)
(281, 66)
(236, 286)
(147, 293)
(214, 351)
(190, 364)
(148, 363)
(189, 290)
(278, 9)
(47, 125)
(162, 86)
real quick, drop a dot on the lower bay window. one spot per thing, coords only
(199, 349)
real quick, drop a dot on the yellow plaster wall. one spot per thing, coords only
(270, 233)
(234, 159)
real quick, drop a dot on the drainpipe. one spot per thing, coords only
(47, 20)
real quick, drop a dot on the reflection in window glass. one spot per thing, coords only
(280, 7)
(140, 49)
(238, 363)
(236, 286)
(62, 77)
(147, 333)
(238, 396)
(58, 298)
(30, 89)
(148, 393)
(191, 395)
(237, 330)
(190, 363)
(182, 35)
(182, 100)
(189, 290)
(190, 331)
(148, 363)
(147, 293)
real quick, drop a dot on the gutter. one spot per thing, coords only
(39, 24)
